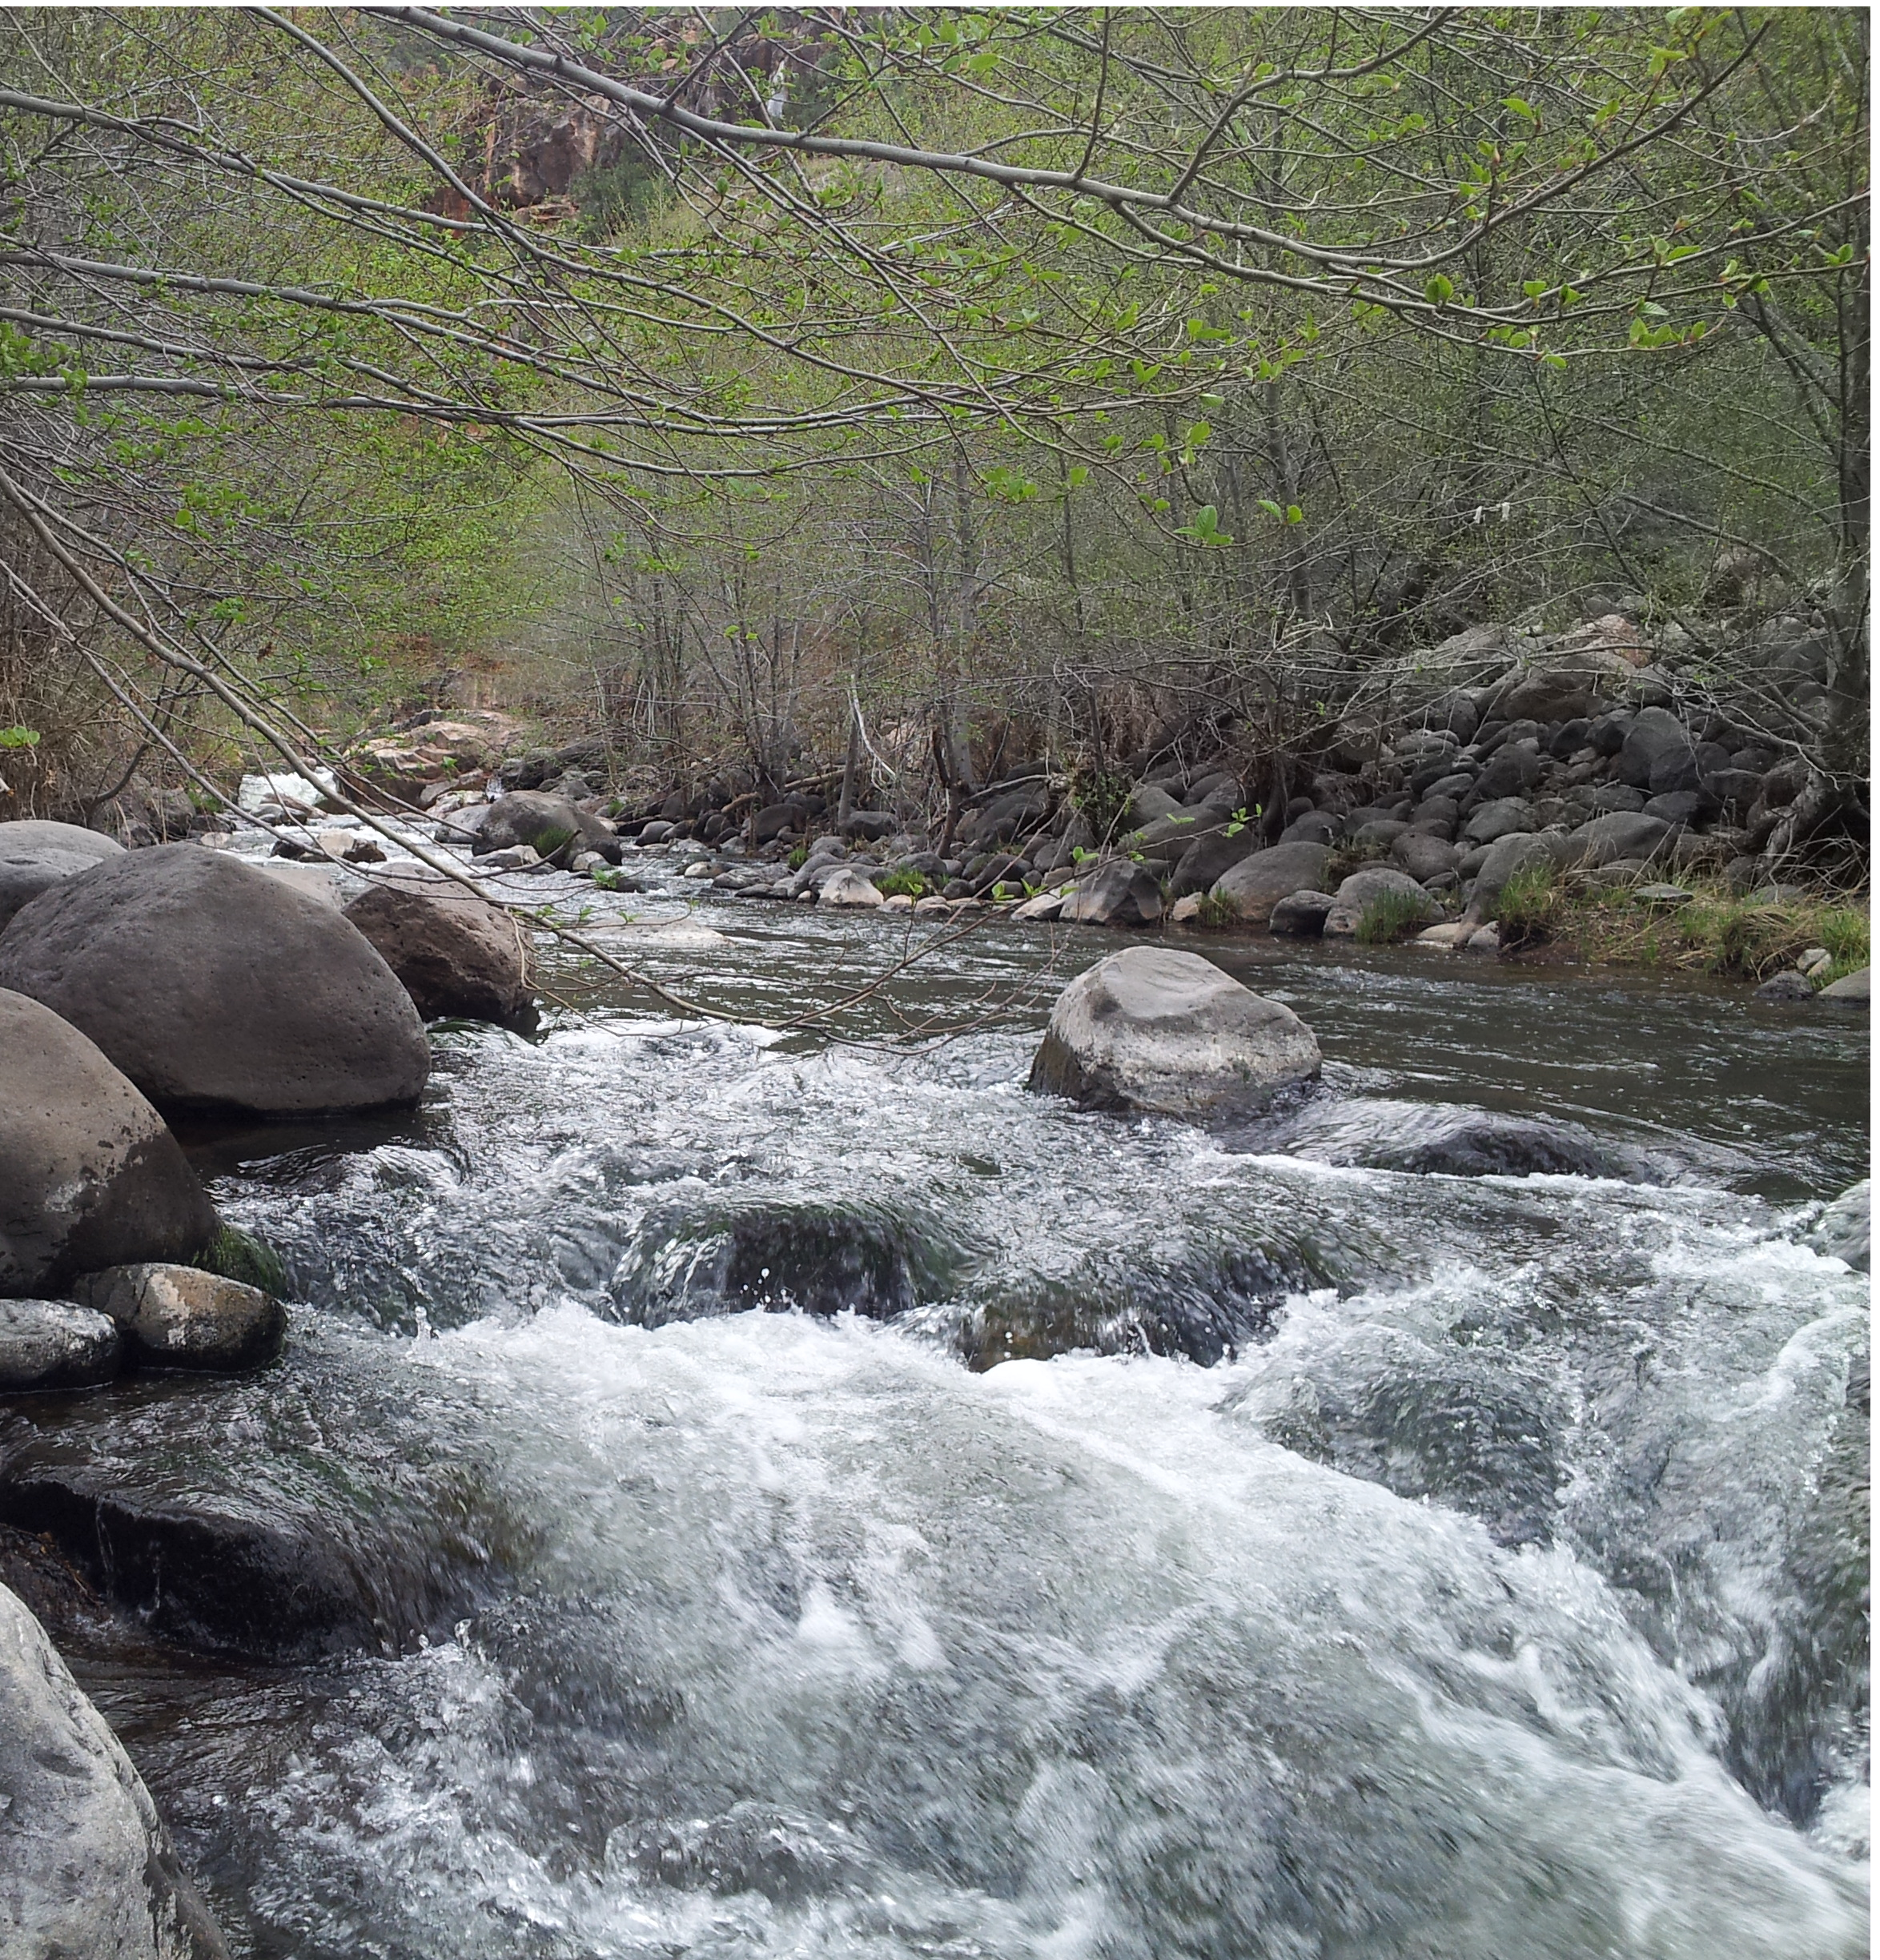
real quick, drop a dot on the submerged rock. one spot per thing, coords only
(212, 986)
(1156, 1030)
(87, 1870)
(179, 1316)
(35, 856)
(453, 952)
(47, 1344)
(90, 1175)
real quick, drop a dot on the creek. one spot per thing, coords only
(815, 1502)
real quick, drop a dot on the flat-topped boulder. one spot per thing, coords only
(47, 1344)
(90, 1175)
(182, 1317)
(86, 1868)
(1167, 1032)
(214, 986)
(36, 856)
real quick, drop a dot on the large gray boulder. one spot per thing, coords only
(1375, 884)
(1605, 841)
(90, 1175)
(182, 1317)
(1845, 1230)
(1155, 1029)
(454, 952)
(1423, 857)
(550, 825)
(212, 986)
(1498, 819)
(1260, 881)
(87, 1870)
(35, 856)
(1116, 893)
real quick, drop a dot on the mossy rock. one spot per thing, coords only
(236, 1254)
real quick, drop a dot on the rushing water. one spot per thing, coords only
(1430, 1523)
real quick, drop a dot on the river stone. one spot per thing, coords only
(53, 1344)
(90, 1175)
(1116, 893)
(1366, 888)
(1202, 866)
(1655, 746)
(552, 826)
(1608, 839)
(1423, 856)
(1147, 802)
(213, 986)
(35, 856)
(1311, 827)
(847, 887)
(1175, 835)
(1156, 1030)
(179, 1316)
(1851, 991)
(1490, 821)
(1787, 986)
(87, 1870)
(1519, 851)
(454, 952)
(1845, 1230)
(1510, 773)
(313, 881)
(1300, 914)
(1260, 881)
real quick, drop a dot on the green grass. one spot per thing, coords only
(1531, 906)
(550, 840)
(798, 858)
(901, 884)
(1217, 914)
(1390, 915)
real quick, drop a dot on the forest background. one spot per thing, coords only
(742, 386)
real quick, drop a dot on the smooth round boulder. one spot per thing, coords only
(214, 986)
(454, 952)
(846, 886)
(1157, 1030)
(181, 1317)
(35, 856)
(1845, 1229)
(1379, 885)
(1300, 915)
(1611, 839)
(90, 1175)
(1260, 881)
(1115, 893)
(47, 1344)
(87, 1867)
(552, 826)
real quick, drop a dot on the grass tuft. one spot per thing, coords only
(1531, 906)
(1215, 913)
(901, 884)
(1389, 916)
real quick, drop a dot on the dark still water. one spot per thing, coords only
(1431, 1522)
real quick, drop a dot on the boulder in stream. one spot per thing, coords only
(182, 1317)
(1156, 1029)
(90, 1175)
(1845, 1229)
(87, 1869)
(212, 986)
(550, 825)
(48, 1344)
(454, 952)
(1116, 893)
(35, 856)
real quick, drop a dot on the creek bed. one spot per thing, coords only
(817, 1503)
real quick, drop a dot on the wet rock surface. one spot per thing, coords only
(87, 1869)
(90, 1174)
(181, 1317)
(50, 1344)
(1169, 1032)
(453, 952)
(213, 986)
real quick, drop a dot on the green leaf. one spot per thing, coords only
(1439, 291)
(17, 738)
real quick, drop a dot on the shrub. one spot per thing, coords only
(1349, 856)
(1389, 916)
(798, 858)
(1530, 907)
(901, 884)
(1102, 796)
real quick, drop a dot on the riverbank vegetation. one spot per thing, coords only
(947, 390)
